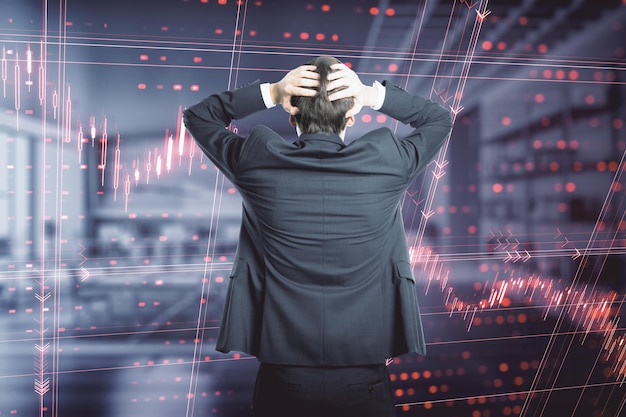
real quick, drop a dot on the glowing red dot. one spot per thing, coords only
(221, 1)
(506, 121)
(573, 75)
(304, 36)
(197, 59)
(320, 36)
(143, 57)
(390, 12)
(287, 35)
(381, 118)
(590, 99)
(141, 86)
(618, 124)
(487, 45)
(374, 11)
(543, 48)
(335, 37)
(523, 20)
(219, 31)
(325, 8)
(178, 87)
(366, 118)
(497, 188)
(560, 74)
(539, 98)
(501, 46)
(253, 33)
(570, 187)
(163, 58)
(195, 87)
(393, 67)
(547, 73)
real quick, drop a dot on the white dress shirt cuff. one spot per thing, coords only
(267, 97)
(381, 95)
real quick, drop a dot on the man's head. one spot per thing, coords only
(317, 114)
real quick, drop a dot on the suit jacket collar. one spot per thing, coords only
(326, 137)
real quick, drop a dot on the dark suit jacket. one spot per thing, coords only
(322, 274)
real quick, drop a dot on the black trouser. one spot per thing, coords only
(297, 391)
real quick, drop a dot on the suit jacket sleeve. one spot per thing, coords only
(431, 123)
(208, 121)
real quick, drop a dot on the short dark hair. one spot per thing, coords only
(317, 114)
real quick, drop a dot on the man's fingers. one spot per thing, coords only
(303, 91)
(338, 95)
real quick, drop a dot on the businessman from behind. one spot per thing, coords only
(321, 290)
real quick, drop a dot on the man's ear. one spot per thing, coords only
(351, 121)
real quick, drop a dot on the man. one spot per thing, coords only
(321, 290)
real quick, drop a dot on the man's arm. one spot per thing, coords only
(431, 122)
(207, 121)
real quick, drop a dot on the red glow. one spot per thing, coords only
(487, 45)
(506, 121)
(366, 118)
(570, 187)
(381, 118)
(326, 8)
(143, 57)
(374, 11)
(304, 36)
(141, 86)
(287, 35)
(497, 188)
(320, 36)
(393, 67)
(197, 59)
(390, 12)
(543, 48)
(539, 98)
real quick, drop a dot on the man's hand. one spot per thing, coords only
(301, 81)
(342, 76)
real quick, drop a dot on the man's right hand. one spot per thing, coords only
(343, 76)
(301, 81)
